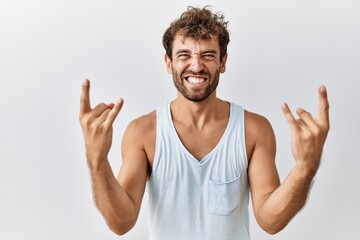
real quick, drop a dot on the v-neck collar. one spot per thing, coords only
(213, 151)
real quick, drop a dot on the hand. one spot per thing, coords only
(308, 133)
(97, 125)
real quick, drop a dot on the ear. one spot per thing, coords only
(168, 63)
(223, 63)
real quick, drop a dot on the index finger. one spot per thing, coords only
(84, 99)
(323, 114)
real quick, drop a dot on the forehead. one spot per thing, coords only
(193, 45)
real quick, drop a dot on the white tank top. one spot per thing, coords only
(206, 199)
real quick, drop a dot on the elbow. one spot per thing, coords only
(272, 225)
(120, 224)
(118, 231)
(272, 222)
(273, 229)
(121, 229)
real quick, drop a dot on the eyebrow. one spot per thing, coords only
(211, 51)
(182, 51)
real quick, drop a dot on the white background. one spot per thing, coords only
(280, 50)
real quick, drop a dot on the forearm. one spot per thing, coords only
(286, 201)
(110, 198)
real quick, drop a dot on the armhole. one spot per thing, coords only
(243, 138)
(157, 142)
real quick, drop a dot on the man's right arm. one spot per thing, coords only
(119, 203)
(112, 200)
(119, 200)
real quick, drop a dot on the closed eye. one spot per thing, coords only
(183, 56)
(208, 57)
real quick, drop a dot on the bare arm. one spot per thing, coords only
(274, 204)
(118, 204)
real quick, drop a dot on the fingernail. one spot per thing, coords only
(110, 105)
(86, 82)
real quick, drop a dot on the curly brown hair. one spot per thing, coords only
(200, 24)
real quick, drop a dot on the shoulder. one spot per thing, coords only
(256, 121)
(140, 136)
(258, 132)
(143, 124)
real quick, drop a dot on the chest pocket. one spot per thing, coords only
(224, 197)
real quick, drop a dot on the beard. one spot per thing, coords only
(196, 95)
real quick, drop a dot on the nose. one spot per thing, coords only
(196, 64)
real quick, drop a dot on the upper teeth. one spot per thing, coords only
(195, 80)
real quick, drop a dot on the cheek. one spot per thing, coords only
(178, 69)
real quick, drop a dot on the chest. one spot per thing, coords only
(200, 142)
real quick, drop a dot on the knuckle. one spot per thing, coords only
(102, 105)
(317, 131)
(326, 107)
(82, 119)
(96, 128)
(326, 127)
(308, 136)
(85, 121)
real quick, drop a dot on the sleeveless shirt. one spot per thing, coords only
(192, 199)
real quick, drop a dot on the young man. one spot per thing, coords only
(200, 155)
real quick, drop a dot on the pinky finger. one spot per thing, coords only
(113, 113)
(289, 117)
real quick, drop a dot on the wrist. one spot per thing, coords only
(305, 169)
(96, 163)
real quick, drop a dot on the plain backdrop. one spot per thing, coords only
(280, 51)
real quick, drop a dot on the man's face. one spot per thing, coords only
(195, 67)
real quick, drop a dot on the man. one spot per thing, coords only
(200, 155)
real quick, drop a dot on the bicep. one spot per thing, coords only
(262, 172)
(134, 169)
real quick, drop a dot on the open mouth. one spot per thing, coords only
(195, 80)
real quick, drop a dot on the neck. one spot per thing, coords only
(199, 114)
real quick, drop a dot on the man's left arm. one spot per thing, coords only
(276, 204)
